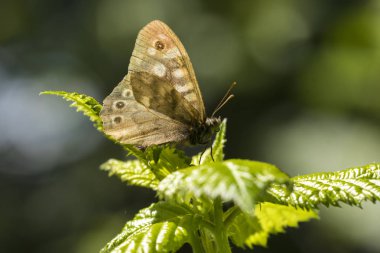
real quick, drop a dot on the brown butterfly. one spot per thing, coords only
(159, 100)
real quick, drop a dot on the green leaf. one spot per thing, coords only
(83, 103)
(268, 219)
(164, 160)
(132, 150)
(162, 227)
(131, 172)
(217, 148)
(91, 108)
(241, 181)
(351, 186)
(219, 142)
(153, 165)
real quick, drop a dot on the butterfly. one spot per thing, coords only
(159, 100)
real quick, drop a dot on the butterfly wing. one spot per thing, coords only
(159, 100)
(159, 55)
(130, 122)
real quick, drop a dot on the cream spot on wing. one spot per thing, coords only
(151, 51)
(145, 101)
(172, 53)
(162, 36)
(191, 97)
(159, 69)
(182, 88)
(178, 73)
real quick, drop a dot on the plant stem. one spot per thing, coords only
(235, 211)
(220, 233)
(196, 244)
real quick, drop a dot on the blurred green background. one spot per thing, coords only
(307, 100)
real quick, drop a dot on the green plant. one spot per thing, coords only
(193, 192)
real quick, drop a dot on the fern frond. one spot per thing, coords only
(132, 172)
(351, 186)
(241, 181)
(83, 103)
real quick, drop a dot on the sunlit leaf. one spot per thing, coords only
(162, 227)
(268, 219)
(131, 172)
(166, 159)
(241, 181)
(351, 186)
(132, 150)
(83, 103)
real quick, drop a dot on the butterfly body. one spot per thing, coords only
(202, 133)
(159, 100)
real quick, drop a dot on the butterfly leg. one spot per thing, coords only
(200, 157)
(204, 150)
(212, 157)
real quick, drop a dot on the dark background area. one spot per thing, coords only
(307, 100)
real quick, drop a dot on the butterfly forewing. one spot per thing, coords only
(159, 52)
(162, 98)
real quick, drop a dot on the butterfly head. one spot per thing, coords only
(203, 133)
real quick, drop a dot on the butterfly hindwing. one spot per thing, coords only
(159, 52)
(130, 122)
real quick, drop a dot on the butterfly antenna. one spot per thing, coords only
(225, 99)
